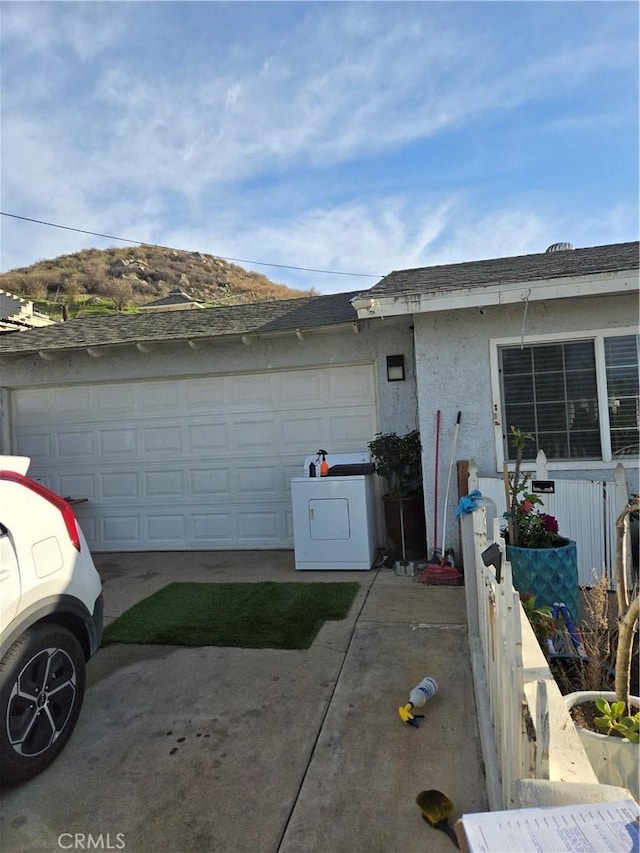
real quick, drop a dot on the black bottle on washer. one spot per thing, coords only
(312, 469)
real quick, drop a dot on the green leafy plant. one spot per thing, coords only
(541, 619)
(614, 720)
(398, 460)
(527, 527)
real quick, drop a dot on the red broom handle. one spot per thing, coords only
(435, 497)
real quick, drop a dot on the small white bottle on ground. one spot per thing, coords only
(422, 692)
(418, 697)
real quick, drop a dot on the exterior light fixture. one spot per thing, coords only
(395, 368)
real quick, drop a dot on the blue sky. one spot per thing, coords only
(359, 137)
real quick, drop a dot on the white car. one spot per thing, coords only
(50, 621)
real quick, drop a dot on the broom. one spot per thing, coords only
(435, 553)
(442, 574)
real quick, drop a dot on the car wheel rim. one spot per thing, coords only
(41, 702)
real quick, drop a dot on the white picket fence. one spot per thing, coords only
(586, 511)
(526, 732)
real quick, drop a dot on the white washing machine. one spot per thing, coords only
(334, 517)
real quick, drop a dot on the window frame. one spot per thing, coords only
(597, 337)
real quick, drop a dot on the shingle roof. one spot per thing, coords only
(251, 319)
(174, 297)
(547, 265)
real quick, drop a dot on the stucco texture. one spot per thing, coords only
(454, 373)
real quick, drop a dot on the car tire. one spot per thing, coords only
(42, 682)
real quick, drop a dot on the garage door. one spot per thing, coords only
(199, 463)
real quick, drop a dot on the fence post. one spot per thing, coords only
(469, 561)
(473, 475)
(542, 730)
(620, 501)
(620, 490)
(474, 530)
(541, 466)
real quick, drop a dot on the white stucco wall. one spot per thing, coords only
(453, 373)
(397, 403)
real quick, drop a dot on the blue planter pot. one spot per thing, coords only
(551, 574)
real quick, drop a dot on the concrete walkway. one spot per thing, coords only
(216, 749)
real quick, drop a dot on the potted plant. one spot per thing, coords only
(398, 460)
(543, 563)
(608, 722)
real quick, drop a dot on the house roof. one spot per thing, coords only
(499, 271)
(234, 320)
(175, 298)
(563, 274)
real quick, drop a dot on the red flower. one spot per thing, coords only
(549, 522)
(527, 506)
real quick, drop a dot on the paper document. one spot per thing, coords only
(584, 828)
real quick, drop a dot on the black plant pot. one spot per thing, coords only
(415, 537)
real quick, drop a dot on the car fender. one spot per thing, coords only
(65, 610)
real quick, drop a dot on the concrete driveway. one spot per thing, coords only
(218, 749)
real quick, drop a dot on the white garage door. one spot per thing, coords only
(200, 464)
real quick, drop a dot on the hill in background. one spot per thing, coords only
(98, 280)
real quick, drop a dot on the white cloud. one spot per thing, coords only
(99, 134)
(360, 80)
(378, 236)
(85, 28)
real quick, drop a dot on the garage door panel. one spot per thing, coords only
(252, 390)
(294, 468)
(209, 482)
(303, 388)
(112, 399)
(197, 463)
(76, 400)
(76, 444)
(119, 485)
(208, 436)
(212, 527)
(254, 435)
(345, 430)
(303, 435)
(38, 447)
(120, 529)
(164, 439)
(26, 404)
(88, 523)
(163, 484)
(258, 526)
(77, 485)
(354, 384)
(165, 528)
(258, 481)
(117, 442)
(205, 394)
(288, 523)
(159, 396)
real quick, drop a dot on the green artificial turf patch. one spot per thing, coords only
(264, 615)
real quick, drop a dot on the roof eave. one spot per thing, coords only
(481, 296)
(194, 340)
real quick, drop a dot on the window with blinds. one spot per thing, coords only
(621, 359)
(551, 391)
